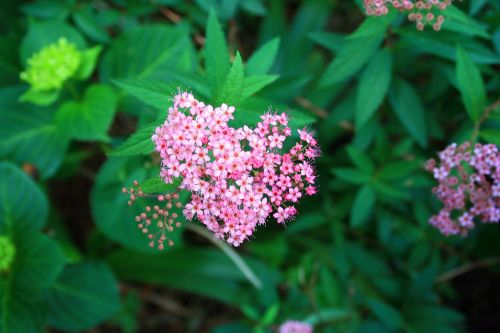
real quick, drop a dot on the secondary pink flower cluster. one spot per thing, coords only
(292, 326)
(237, 177)
(422, 12)
(468, 186)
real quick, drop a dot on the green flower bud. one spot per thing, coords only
(50, 67)
(7, 253)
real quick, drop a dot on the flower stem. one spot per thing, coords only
(483, 118)
(232, 254)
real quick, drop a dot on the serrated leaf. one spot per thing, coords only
(156, 50)
(263, 58)
(232, 89)
(356, 50)
(255, 83)
(408, 107)
(373, 86)
(91, 118)
(470, 84)
(139, 143)
(77, 302)
(153, 93)
(362, 207)
(216, 53)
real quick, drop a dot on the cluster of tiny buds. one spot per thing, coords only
(157, 220)
(422, 12)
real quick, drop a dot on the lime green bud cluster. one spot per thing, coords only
(49, 68)
(7, 253)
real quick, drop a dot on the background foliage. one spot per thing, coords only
(361, 257)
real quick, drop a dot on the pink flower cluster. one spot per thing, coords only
(468, 186)
(238, 177)
(292, 326)
(422, 12)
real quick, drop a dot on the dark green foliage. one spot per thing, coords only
(360, 256)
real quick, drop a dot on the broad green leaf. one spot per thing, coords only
(373, 86)
(156, 50)
(360, 159)
(216, 53)
(232, 88)
(48, 9)
(385, 313)
(29, 134)
(362, 207)
(139, 143)
(356, 50)
(43, 33)
(89, 61)
(85, 20)
(90, 118)
(351, 175)
(327, 315)
(202, 271)
(37, 264)
(84, 295)
(109, 206)
(153, 93)
(22, 205)
(470, 84)
(408, 107)
(263, 58)
(255, 83)
(156, 185)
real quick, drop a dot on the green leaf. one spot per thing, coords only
(491, 136)
(385, 313)
(352, 176)
(47, 9)
(373, 86)
(332, 41)
(362, 207)
(203, 271)
(89, 61)
(408, 107)
(41, 98)
(263, 58)
(360, 159)
(153, 93)
(84, 295)
(22, 205)
(156, 185)
(156, 50)
(233, 85)
(109, 206)
(139, 143)
(457, 21)
(356, 50)
(43, 33)
(470, 84)
(29, 134)
(270, 315)
(91, 118)
(253, 84)
(86, 21)
(216, 53)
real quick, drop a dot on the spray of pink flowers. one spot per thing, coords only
(422, 12)
(237, 177)
(468, 186)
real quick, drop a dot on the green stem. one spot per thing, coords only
(232, 254)
(483, 118)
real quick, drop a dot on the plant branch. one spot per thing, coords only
(483, 118)
(446, 276)
(232, 254)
